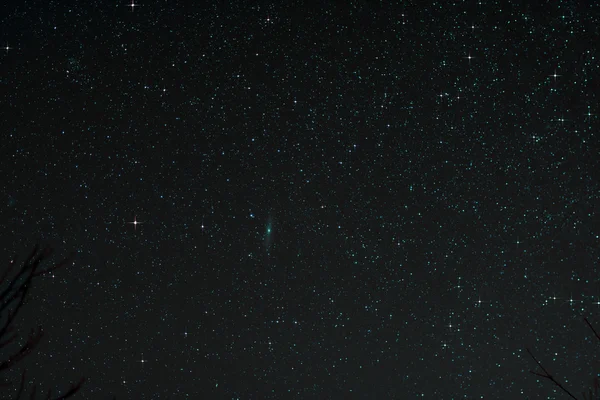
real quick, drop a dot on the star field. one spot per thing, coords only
(345, 201)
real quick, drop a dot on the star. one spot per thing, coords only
(561, 119)
(135, 222)
(479, 301)
(589, 114)
(571, 300)
(7, 48)
(132, 5)
(555, 75)
(458, 286)
(469, 57)
(554, 298)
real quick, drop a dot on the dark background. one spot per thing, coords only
(325, 195)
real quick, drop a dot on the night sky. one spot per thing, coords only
(349, 200)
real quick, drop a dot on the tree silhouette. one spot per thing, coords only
(11, 300)
(547, 375)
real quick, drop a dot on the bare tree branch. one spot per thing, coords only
(592, 328)
(72, 390)
(547, 375)
(21, 386)
(12, 299)
(596, 387)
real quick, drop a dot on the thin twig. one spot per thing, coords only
(547, 375)
(592, 328)
(11, 300)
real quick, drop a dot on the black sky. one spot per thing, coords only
(344, 200)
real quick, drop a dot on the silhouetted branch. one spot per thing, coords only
(72, 390)
(591, 327)
(11, 300)
(32, 342)
(547, 375)
(596, 387)
(6, 273)
(21, 386)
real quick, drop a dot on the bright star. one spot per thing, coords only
(469, 57)
(135, 222)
